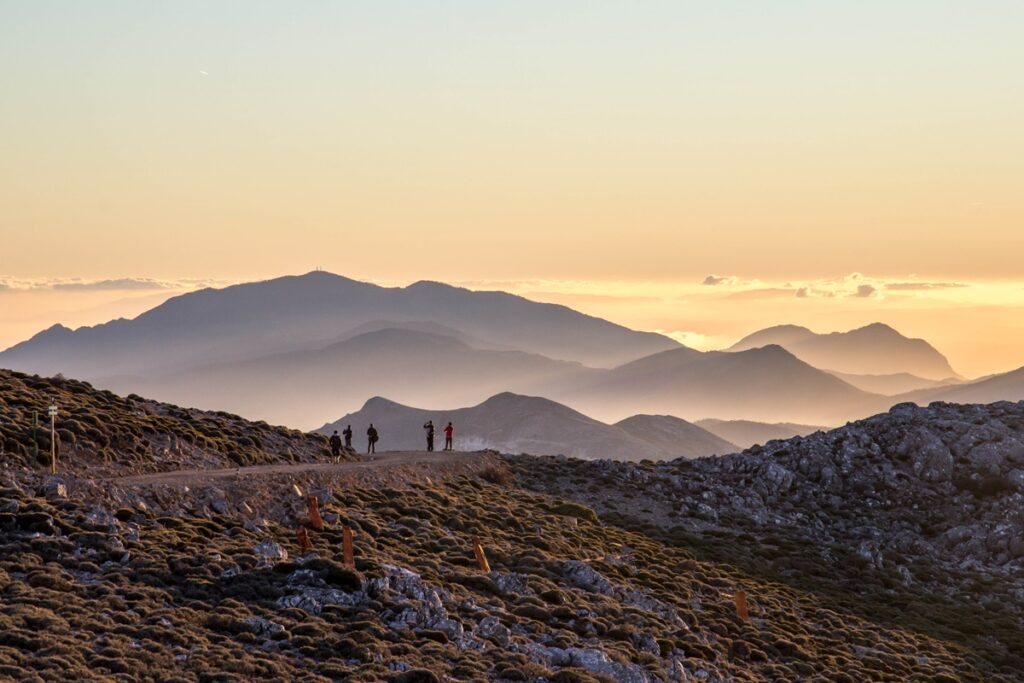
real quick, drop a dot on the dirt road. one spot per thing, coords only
(384, 460)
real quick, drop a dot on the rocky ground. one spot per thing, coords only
(93, 593)
(914, 517)
(598, 571)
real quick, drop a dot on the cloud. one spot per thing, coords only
(761, 293)
(865, 291)
(816, 293)
(120, 284)
(720, 280)
(916, 286)
(125, 284)
(571, 297)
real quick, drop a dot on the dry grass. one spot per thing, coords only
(187, 599)
(97, 429)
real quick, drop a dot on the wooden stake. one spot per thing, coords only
(315, 520)
(481, 559)
(305, 545)
(741, 605)
(53, 438)
(346, 548)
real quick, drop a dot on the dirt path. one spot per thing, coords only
(384, 460)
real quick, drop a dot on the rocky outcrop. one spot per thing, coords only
(944, 482)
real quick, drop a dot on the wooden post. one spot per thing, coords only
(346, 548)
(305, 545)
(481, 559)
(315, 520)
(741, 605)
(53, 439)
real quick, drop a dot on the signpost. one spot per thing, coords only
(53, 438)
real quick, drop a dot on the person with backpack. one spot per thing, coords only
(348, 436)
(336, 445)
(430, 434)
(449, 432)
(372, 437)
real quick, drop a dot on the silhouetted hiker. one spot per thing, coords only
(430, 434)
(348, 436)
(449, 431)
(335, 445)
(372, 437)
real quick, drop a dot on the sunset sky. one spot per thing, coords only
(829, 164)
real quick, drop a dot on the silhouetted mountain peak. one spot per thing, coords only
(875, 349)
(53, 331)
(770, 352)
(381, 403)
(508, 400)
(434, 286)
(876, 330)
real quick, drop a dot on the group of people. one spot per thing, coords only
(373, 436)
(449, 432)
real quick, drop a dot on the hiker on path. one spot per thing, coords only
(430, 434)
(372, 437)
(336, 445)
(449, 432)
(348, 436)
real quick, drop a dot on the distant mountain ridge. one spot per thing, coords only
(513, 423)
(894, 384)
(1007, 386)
(747, 433)
(306, 388)
(769, 383)
(298, 312)
(875, 349)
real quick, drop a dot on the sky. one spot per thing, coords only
(606, 155)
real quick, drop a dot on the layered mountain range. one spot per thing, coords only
(304, 350)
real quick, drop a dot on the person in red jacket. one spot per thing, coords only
(449, 431)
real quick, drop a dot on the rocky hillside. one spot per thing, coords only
(599, 572)
(98, 431)
(95, 591)
(913, 517)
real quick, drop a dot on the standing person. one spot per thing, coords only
(371, 438)
(430, 434)
(336, 445)
(449, 432)
(348, 436)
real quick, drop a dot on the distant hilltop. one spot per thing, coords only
(875, 349)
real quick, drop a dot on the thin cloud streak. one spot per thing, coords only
(125, 284)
